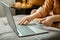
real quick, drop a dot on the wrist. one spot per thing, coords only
(36, 15)
(32, 17)
(56, 18)
(50, 19)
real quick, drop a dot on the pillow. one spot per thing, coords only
(36, 2)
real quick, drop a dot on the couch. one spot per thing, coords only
(6, 33)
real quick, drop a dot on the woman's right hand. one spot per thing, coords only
(26, 20)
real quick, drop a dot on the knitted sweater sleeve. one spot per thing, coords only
(46, 8)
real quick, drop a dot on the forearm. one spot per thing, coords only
(35, 15)
(44, 10)
(56, 18)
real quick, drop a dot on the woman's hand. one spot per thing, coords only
(26, 20)
(48, 20)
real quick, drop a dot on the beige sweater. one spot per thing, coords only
(50, 5)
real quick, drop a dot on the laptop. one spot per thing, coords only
(30, 29)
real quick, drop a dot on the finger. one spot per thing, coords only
(26, 22)
(46, 23)
(42, 19)
(43, 22)
(21, 21)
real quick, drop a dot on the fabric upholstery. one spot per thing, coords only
(6, 33)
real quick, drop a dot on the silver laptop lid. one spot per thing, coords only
(9, 17)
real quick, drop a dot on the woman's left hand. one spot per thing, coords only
(48, 20)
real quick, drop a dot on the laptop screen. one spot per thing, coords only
(9, 16)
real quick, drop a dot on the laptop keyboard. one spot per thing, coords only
(24, 30)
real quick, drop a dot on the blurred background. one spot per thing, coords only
(25, 9)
